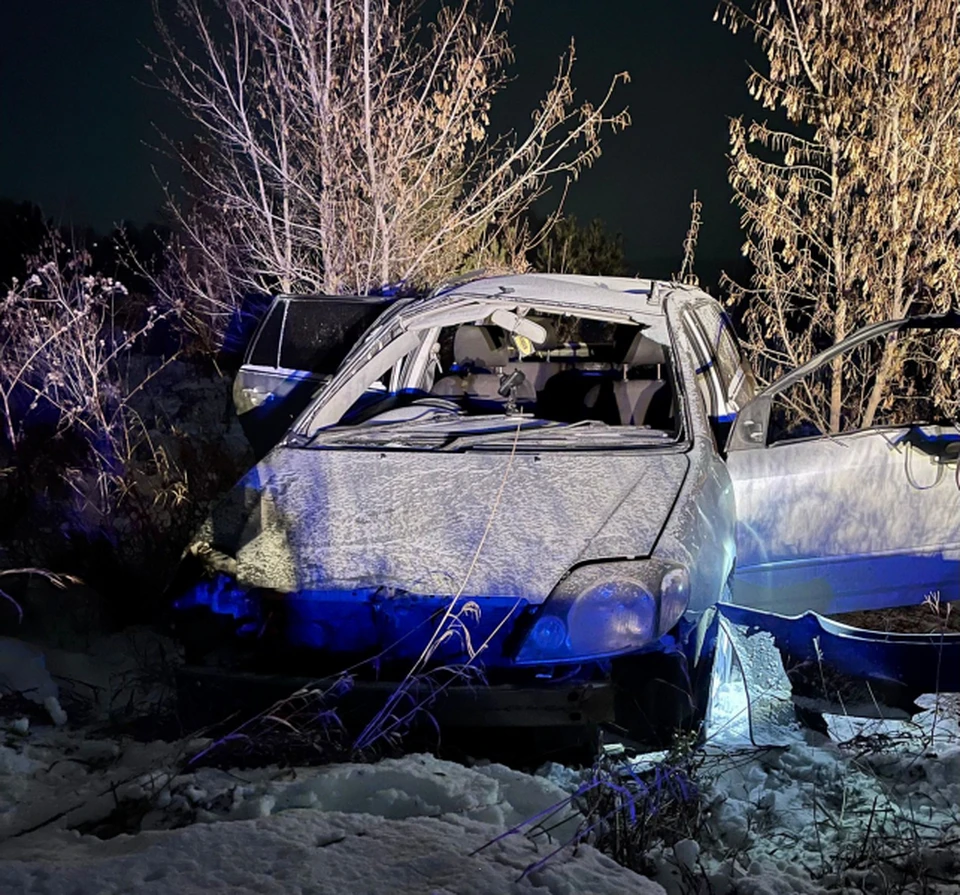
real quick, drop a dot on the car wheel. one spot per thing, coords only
(662, 694)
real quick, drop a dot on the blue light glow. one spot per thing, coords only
(370, 621)
(222, 596)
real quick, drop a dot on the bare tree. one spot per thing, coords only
(851, 205)
(342, 146)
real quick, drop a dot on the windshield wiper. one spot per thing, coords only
(505, 434)
(584, 434)
(495, 432)
(434, 432)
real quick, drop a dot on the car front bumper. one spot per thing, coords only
(209, 695)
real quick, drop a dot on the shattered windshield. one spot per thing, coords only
(538, 379)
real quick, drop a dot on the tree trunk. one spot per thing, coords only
(878, 392)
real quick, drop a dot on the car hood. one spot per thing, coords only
(414, 521)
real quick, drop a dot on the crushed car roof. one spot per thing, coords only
(641, 300)
(607, 292)
(395, 333)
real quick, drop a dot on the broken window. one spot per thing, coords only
(580, 370)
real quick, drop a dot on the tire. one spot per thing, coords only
(661, 694)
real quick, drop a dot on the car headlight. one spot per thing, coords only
(605, 610)
(674, 596)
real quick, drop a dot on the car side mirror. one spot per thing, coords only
(751, 426)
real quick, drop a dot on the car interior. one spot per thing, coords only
(582, 370)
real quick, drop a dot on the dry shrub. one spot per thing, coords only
(850, 196)
(97, 477)
(62, 371)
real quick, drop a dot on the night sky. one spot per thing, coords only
(77, 129)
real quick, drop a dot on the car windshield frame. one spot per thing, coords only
(404, 335)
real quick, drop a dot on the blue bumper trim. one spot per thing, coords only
(921, 663)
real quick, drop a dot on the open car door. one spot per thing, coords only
(296, 349)
(865, 519)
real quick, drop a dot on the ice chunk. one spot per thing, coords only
(55, 710)
(686, 852)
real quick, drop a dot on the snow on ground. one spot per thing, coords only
(812, 816)
(309, 852)
(399, 826)
(119, 674)
(839, 814)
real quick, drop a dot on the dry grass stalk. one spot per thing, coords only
(687, 275)
(64, 347)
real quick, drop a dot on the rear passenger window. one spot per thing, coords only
(737, 380)
(318, 334)
(313, 334)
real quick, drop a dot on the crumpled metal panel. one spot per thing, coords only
(855, 521)
(306, 519)
(852, 669)
(751, 697)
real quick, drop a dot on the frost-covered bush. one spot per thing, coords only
(63, 347)
(107, 447)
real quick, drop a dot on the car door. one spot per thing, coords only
(296, 349)
(865, 519)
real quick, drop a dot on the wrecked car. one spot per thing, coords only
(556, 479)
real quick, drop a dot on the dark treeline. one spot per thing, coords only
(572, 247)
(24, 229)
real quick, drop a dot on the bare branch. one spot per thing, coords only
(342, 148)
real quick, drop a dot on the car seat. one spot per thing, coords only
(627, 402)
(480, 366)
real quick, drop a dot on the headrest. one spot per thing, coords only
(474, 346)
(643, 351)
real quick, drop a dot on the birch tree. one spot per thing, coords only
(851, 199)
(343, 145)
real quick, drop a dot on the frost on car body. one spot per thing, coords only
(536, 461)
(865, 519)
(394, 502)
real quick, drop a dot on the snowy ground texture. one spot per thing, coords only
(878, 812)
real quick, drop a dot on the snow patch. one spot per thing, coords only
(409, 825)
(23, 670)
